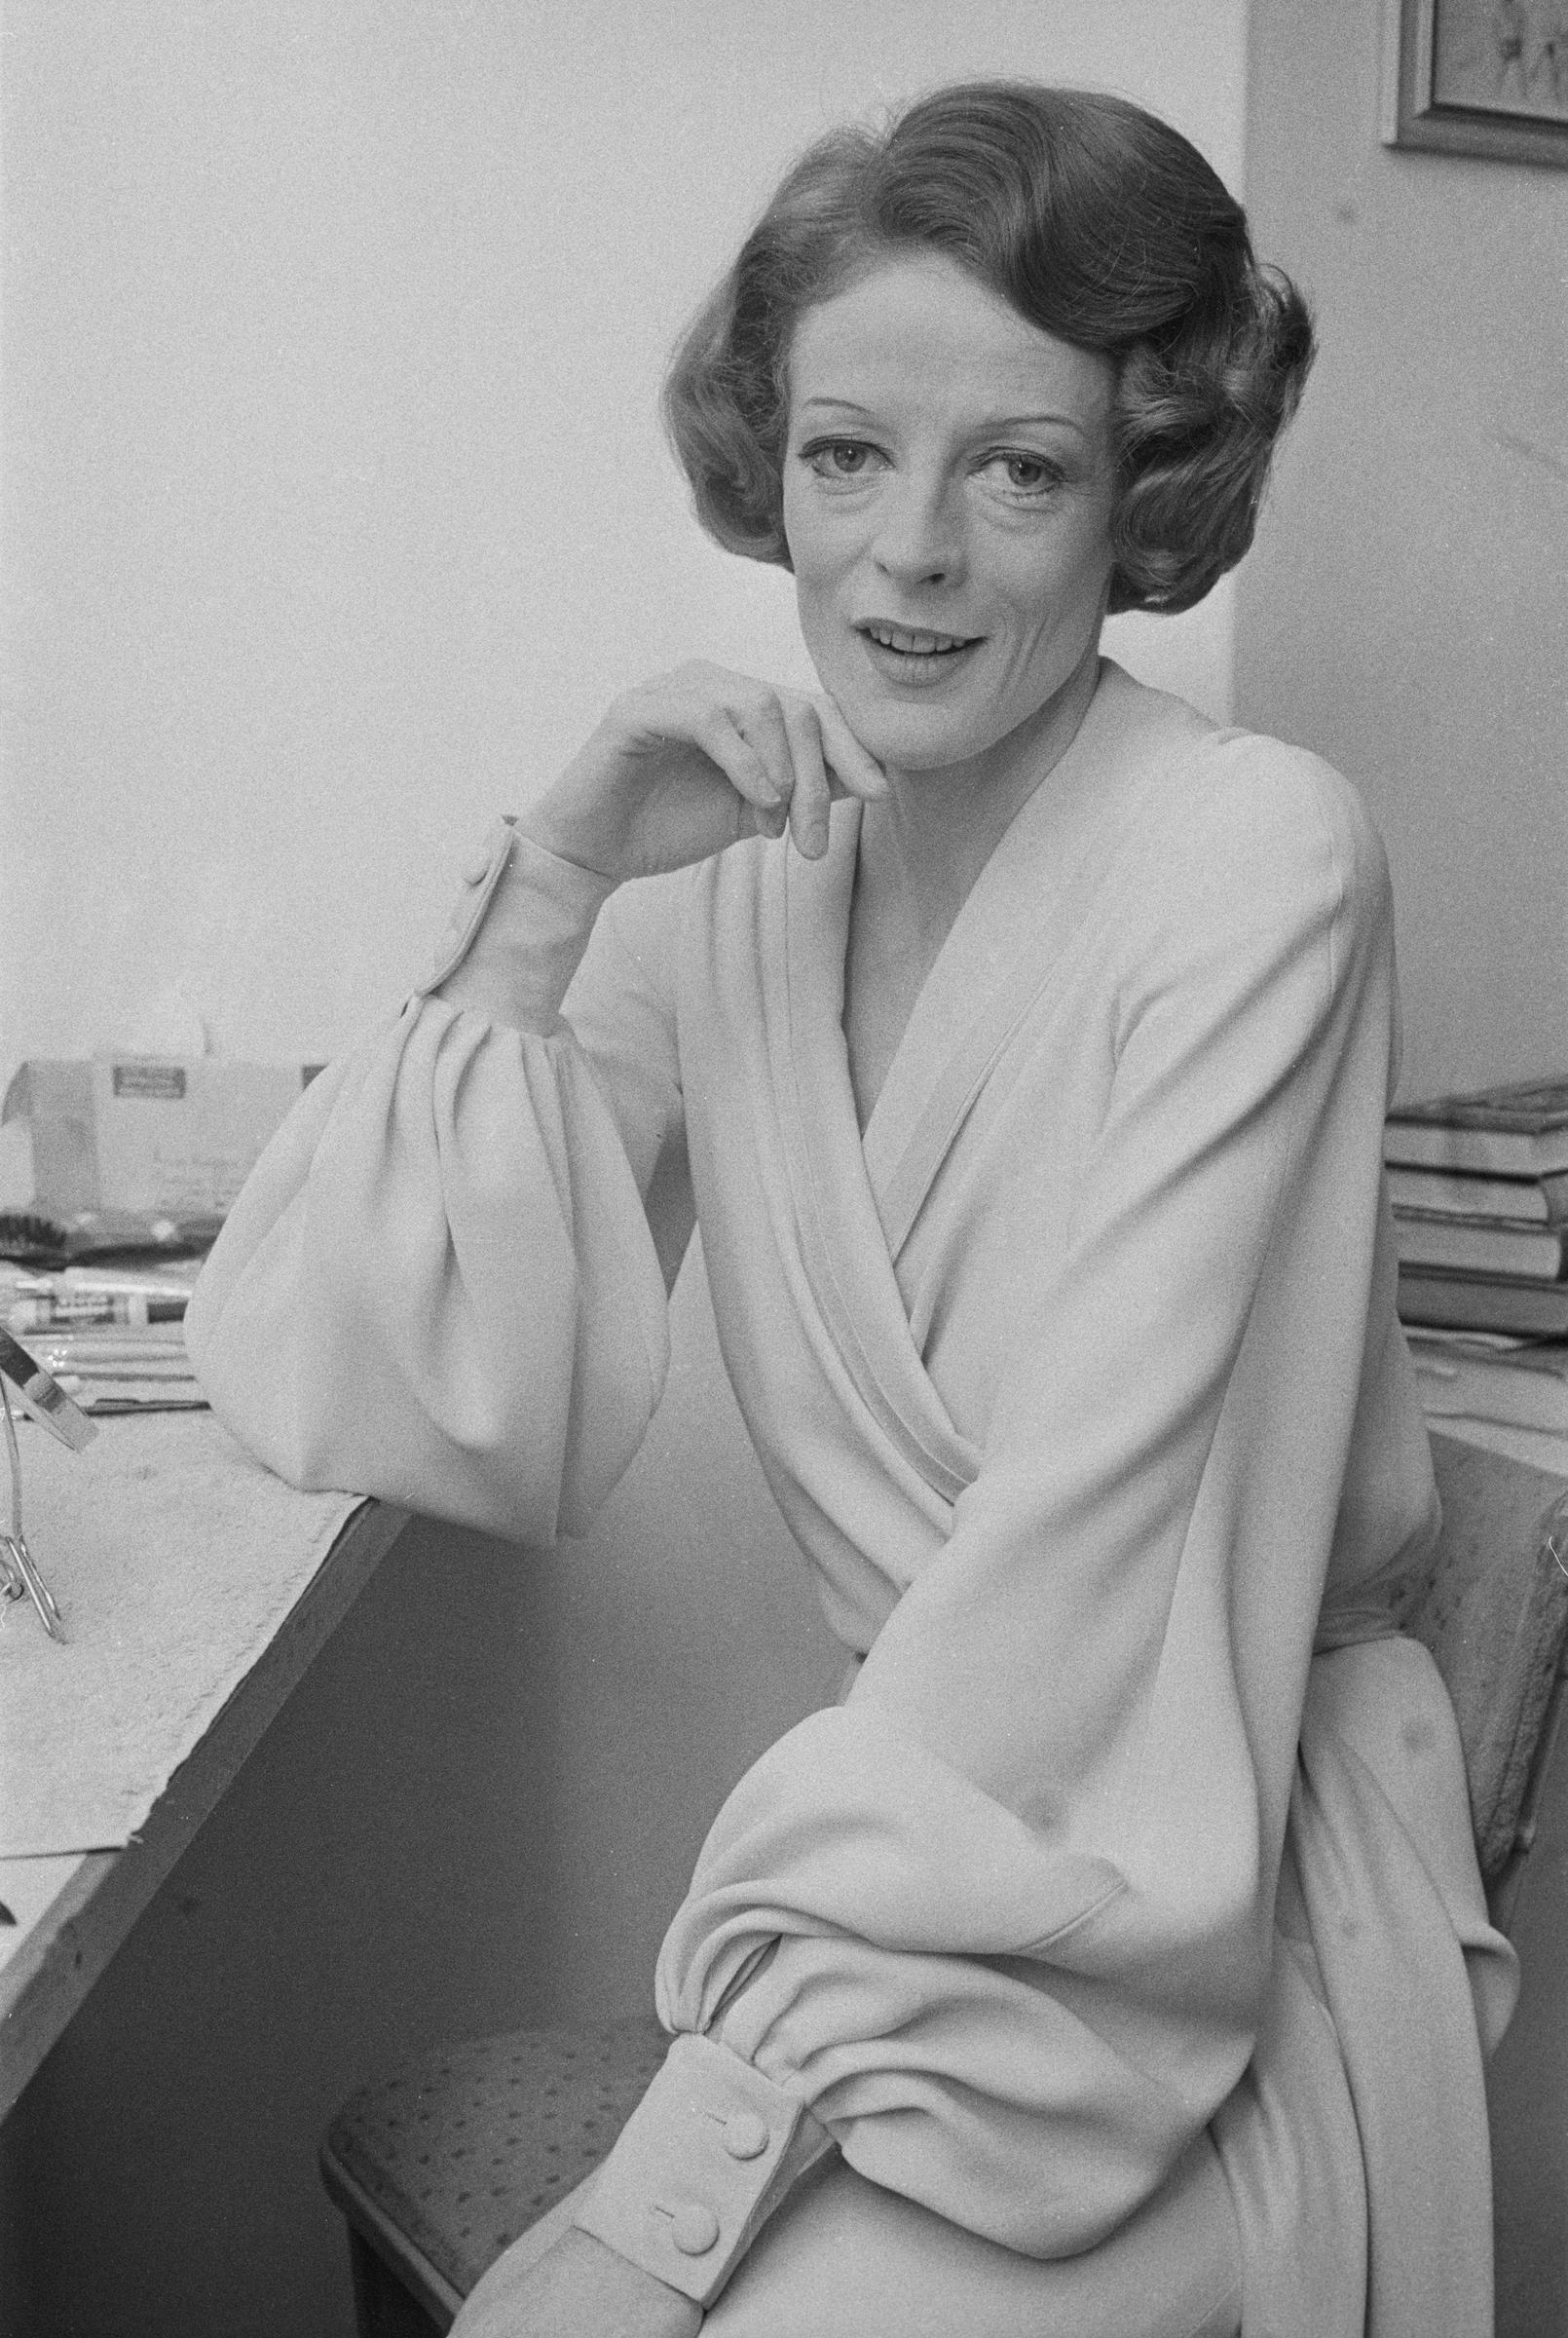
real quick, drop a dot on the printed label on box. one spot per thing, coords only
(150, 1080)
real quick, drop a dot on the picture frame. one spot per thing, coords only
(1477, 77)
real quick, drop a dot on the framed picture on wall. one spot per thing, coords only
(1485, 77)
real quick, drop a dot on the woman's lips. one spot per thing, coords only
(915, 654)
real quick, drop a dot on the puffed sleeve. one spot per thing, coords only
(1001, 1924)
(440, 1285)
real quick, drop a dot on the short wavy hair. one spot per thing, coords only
(1097, 222)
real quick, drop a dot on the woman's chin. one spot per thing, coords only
(913, 729)
(913, 738)
(934, 730)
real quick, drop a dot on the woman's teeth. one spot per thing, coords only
(914, 642)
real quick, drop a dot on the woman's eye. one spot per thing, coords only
(1025, 477)
(840, 458)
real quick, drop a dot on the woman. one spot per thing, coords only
(1106, 1960)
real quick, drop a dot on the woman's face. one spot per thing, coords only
(948, 493)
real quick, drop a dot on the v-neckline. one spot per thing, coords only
(982, 936)
(857, 1196)
(989, 966)
(843, 1249)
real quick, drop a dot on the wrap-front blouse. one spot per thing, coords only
(1078, 1381)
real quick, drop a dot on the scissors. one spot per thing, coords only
(50, 1405)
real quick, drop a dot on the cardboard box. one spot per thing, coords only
(145, 1136)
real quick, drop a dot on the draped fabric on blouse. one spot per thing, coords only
(1078, 1384)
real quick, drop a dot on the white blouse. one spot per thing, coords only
(1079, 1381)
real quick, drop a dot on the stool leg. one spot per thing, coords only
(382, 2306)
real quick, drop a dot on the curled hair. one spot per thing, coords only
(1099, 225)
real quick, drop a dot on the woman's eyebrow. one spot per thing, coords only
(985, 422)
(1035, 422)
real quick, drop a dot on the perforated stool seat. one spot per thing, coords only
(444, 2163)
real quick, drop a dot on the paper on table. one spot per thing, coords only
(174, 1557)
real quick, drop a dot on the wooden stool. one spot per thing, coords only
(441, 2165)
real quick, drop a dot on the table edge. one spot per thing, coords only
(71, 1941)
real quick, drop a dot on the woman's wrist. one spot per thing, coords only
(578, 820)
(543, 826)
(576, 2289)
(520, 929)
(709, 2153)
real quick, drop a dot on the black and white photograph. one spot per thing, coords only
(783, 1169)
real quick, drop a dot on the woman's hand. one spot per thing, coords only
(692, 761)
(579, 2289)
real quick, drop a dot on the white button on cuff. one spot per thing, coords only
(694, 2229)
(745, 2137)
(481, 873)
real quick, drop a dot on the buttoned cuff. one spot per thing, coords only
(708, 2154)
(523, 920)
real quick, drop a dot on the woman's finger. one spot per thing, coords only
(749, 821)
(715, 730)
(760, 719)
(811, 795)
(855, 771)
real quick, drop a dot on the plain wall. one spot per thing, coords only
(335, 508)
(1405, 611)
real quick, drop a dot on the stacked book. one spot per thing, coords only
(1479, 1187)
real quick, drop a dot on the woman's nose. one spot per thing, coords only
(920, 535)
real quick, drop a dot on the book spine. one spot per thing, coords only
(1482, 1152)
(1531, 1104)
(1479, 1247)
(1518, 1201)
(1476, 1302)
